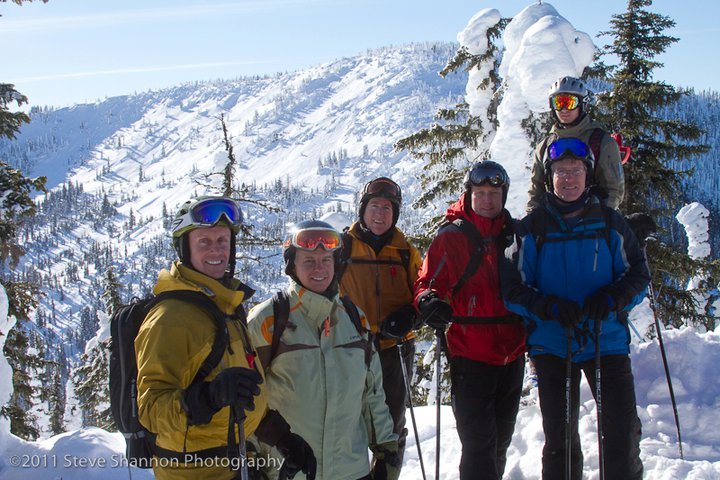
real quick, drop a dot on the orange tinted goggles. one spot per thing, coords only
(311, 239)
(566, 101)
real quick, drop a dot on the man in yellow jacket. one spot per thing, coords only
(320, 379)
(197, 424)
(379, 270)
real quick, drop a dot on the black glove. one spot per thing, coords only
(436, 313)
(233, 386)
(599, 305)
(399, 323)
(299, 456)
(642, 225)
(567, 312)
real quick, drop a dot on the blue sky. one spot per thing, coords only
(72, 51)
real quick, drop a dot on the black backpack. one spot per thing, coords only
(124, 326)
(281, 314)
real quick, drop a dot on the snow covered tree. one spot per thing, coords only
(91, 376)
(632, 109)
(92, 386)
(445, 145)
(111, 294)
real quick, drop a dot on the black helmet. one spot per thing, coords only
(568, 147)
(205, 212)
(487, 172)
(381, 187)
(573, 86)
(311, 235)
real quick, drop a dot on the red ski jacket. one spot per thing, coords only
(482, 329)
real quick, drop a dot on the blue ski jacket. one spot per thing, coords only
(572, 259)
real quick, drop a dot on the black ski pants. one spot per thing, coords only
(394, 386)
(485, 400)
(620, 422)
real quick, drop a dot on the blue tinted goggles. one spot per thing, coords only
(563, 147)
(209, 212)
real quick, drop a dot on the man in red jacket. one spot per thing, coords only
(459, 283)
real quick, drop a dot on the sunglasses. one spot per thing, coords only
(383, 187)
(209, 212)
(566, 101)
(310, 239)
(563, 147)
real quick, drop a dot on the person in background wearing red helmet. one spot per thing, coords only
(459, 283)
(325, 376)
(570, 101)
(380, 267)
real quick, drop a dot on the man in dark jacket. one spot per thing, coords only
(576, 263)
(459, 283)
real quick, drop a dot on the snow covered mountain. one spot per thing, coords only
(305, 142)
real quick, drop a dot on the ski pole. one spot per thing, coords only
(412, 411)
(653, 307)
(242, 447)
(598, 401)
(440, 339)
(568, 409)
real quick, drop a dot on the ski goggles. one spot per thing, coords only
(564, 147)
(488, 176)
(210, 211)
(310, 239)
(566, 101)
(383, 187)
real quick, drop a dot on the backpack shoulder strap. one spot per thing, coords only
(345, 252)
(477, 243)
(538, 227)
(352, 311)
(281, 314)
(405, 258)
(594, 142)
(221, 340)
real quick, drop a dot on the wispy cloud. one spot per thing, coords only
(121, 17)
(131, 70)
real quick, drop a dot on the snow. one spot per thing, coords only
(540, 47)
(694, 218)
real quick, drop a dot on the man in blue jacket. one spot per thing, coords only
(575, 262)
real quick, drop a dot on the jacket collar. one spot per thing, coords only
(313, 307)
(180, 277)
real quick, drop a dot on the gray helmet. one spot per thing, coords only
(574, 86)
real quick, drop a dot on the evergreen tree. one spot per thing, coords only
(56, 402)
(16, 205)
(111, 294)
(92, 387)
(23, 423)
(651, 183)
(446, 145)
